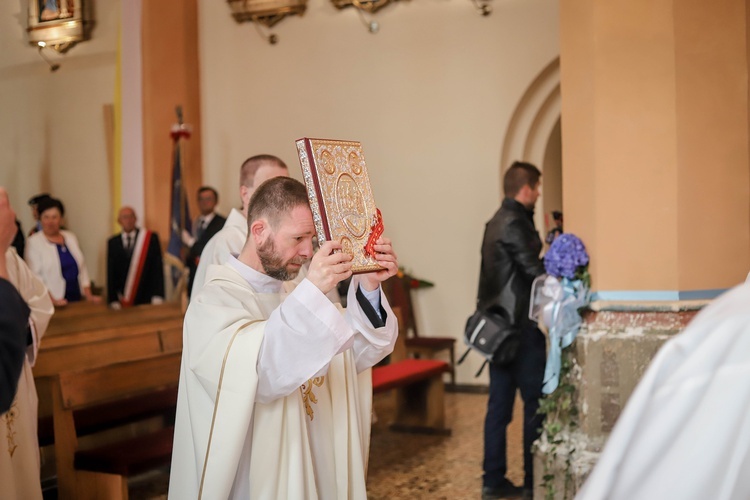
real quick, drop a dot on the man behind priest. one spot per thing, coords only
(135, 272)
(206, 225)
(230, 239)
(275, 394)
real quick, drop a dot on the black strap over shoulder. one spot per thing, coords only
(369, 311)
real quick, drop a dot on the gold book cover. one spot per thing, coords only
(341, 200)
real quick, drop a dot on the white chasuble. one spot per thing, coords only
(300, 429)
(19, 447)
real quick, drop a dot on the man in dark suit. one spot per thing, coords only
(206, 225)
(14, 313)
(135, 273)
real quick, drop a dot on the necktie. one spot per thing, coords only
(129, 247)
(201, 227)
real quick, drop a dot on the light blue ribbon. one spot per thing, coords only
(563, 321)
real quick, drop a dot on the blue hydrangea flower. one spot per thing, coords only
(566, 254)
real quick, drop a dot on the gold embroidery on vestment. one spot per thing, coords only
(10, 418)
(308, 396)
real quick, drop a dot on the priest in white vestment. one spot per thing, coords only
(231, 238)
(275, 394)
(19, 446)
(685, 432)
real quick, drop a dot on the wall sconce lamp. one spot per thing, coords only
(52, 67)
(59, 25)
(365, 8)
(266, 13)
(483, 7)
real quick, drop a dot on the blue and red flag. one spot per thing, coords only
(179, 211)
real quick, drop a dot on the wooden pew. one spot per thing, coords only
(102, 472)
(419, 394)
(82, 336)
(418, 389)
(103, 336)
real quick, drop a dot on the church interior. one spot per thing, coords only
(636, 113)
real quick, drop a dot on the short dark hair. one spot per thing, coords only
(203, 189)
(251, 165)
(520, 174)
(49, 202)
(275, 198)
(34, 200)
(557, 215)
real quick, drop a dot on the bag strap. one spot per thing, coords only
(463, 357)
(481, 368)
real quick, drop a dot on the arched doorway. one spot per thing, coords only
(534, 135)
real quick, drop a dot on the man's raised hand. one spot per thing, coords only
(327, 268)
(386, 257)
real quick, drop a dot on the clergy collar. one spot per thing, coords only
(260, 282)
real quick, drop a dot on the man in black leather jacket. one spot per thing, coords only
(510, 262)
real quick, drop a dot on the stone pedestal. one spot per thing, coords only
(612, 351)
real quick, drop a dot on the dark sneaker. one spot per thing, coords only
(507, 491)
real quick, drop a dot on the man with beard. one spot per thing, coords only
(275, 394)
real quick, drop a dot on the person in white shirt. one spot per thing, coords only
(253, 172)
(275, 394)
(55, 256)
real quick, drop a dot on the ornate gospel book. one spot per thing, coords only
(341, 200)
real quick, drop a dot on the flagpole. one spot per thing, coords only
(179, 210)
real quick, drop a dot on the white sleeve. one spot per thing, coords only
(370, 344)
(301, 337)
(307, 331)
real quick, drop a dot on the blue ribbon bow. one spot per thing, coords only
(561, 316)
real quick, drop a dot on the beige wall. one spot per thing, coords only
(656, 170)
(52, 126)
(430, 97)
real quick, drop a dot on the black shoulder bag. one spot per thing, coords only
(493, 337)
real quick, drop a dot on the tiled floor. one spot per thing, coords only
(414, 466)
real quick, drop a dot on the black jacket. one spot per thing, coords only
(194, 254)
(14, 323)
(510, 262)
(118, 262)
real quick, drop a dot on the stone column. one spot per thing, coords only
(656, 180)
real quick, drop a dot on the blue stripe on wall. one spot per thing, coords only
(657, 295)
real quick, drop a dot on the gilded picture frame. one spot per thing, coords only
(59, 24)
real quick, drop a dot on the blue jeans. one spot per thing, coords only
(525, 374)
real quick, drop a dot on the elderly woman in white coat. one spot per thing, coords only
(54, 255)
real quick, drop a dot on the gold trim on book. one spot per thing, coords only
(341, 199)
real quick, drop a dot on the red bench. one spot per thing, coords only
(419, 393)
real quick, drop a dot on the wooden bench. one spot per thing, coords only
(115, 414)
(100, 336)
(92, 335)
(418, 388)
(101, 472)
(419, 394)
